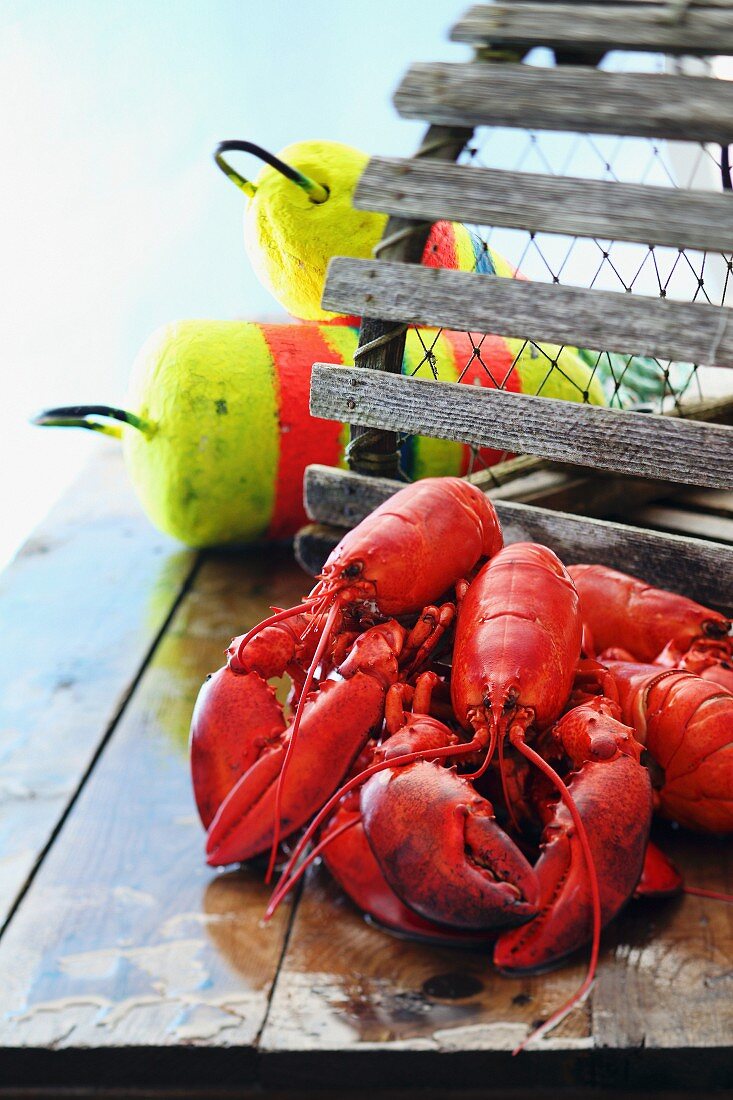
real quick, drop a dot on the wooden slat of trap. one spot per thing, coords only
(597, 26)
(629, 443)
(81, 606)
(548, 204)
(629, 323)
(129, 963)
(576, 99)
(694, 567)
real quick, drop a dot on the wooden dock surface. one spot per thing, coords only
(129, 967)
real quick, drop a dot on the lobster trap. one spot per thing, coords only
(584, 149)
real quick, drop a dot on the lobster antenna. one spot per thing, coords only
(505, 790)
(316, 192)
(310, 859)
(518, 742)
(285, 883)
(78, 416)
(320, 649)
(698, 892)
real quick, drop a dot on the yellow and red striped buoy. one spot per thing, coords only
(217, 432)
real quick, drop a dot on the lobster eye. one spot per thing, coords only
(353, 570)
(715, 628)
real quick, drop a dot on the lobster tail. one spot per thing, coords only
(686, 723)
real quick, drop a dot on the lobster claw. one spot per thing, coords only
(441, 850)
(235, 719)
(659, 876)
(612, 793)
(351, 862)
(337, 721)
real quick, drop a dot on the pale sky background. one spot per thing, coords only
(113, 218)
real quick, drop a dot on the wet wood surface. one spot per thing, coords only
(129, 967)
(81, 607)
(126, 938)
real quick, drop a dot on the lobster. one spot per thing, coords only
(383, 568)
(685, 723)
(396, 799)
(458, 867)
(626, 619)
(434, 837)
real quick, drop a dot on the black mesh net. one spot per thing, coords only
(593, 376)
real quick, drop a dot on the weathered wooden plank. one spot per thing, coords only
(577, 99)
(701, 31)
(129, 962)
(536, 481)
(407, 1001)
(545, 312)
(82, 606)
(549, 204)
(697, 568)
(351, 999)
(697, 524)
(607, 439)
(665, 986)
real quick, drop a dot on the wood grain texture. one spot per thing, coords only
(668, 967)
(545, 312)
(577, 99)
(352, 999)
(598, 26)
(534, 480)
(639, 444)
(700, 569)
(374, 993)
(548, 204)
(81, 607)
(126, 939)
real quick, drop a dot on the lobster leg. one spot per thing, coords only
(611, 792)
(659, 876)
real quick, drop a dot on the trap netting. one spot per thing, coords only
(589, 375)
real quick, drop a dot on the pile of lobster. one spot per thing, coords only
(479, 735)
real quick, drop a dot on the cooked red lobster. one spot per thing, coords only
(467, 729)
